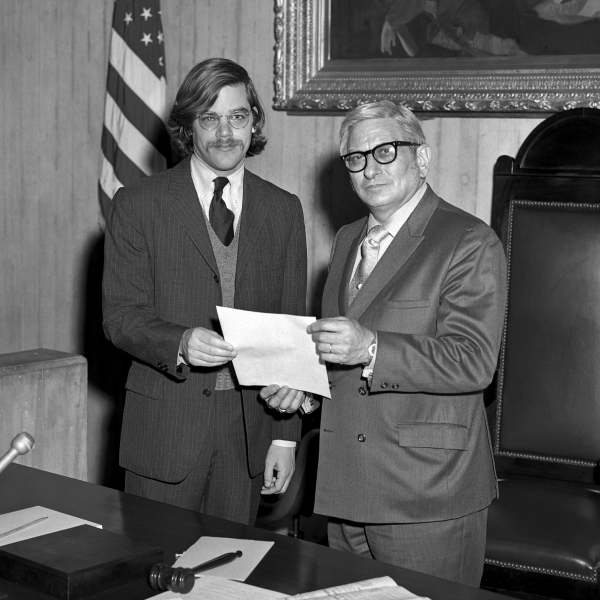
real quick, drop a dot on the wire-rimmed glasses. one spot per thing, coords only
(238, 120)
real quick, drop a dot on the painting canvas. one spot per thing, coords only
(442, 56)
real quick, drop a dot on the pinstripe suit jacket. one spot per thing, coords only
(415, 446)
(161, 278)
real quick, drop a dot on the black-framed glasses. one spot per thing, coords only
(384, 154)
(210, 121)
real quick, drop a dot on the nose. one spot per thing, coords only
(224, 128)
(373, 168)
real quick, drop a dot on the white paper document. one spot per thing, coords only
(208, 547)
(217, 588)
(54, 521)
(274, 348)
(379, 588)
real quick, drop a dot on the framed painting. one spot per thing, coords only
(444, 57)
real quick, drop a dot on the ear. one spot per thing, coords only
(254, 130)
(423, 159)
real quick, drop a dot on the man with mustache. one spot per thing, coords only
(207, 232)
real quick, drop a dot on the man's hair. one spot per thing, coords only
(199, 91)
(383, 109)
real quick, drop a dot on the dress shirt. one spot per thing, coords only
(233, 194)
(393, 224)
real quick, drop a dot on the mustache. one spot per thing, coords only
(225, 144)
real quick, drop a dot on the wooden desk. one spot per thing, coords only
(291, 566)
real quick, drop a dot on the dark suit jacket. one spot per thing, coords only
(161, 278)
(415, 446)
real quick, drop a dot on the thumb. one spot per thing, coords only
(268, 475)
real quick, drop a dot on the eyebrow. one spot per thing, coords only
(233, 110)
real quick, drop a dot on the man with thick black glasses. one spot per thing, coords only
(207, 232)
(413, 310)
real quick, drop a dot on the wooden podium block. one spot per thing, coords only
(44, 392)
(78, 562)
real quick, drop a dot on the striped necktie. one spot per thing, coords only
(369, 252)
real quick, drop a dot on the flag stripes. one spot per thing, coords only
(134, 138)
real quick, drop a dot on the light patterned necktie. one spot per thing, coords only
(369, 251)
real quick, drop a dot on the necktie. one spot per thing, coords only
(369, 252)
(220, 217)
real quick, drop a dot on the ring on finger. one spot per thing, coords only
(330, 351)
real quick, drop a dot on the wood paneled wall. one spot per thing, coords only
(53, 60)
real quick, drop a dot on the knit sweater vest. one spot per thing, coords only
(226, 257)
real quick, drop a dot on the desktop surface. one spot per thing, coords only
(291, 566)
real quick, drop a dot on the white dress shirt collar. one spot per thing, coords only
(233, 194)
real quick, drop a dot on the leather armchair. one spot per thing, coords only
(544, 530)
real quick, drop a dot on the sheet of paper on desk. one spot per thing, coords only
(217, 588)
(55, 521)
(274, 348)
(210, 547)
(379, 588)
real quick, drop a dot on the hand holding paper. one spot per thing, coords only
(274, 349)
(203, 348)
(282, 398)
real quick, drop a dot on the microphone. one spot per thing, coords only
(21, 444)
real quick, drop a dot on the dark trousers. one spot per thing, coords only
(452, 549)
(219, 484)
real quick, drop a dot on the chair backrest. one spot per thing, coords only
(546, 210)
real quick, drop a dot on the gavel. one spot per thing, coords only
(21, 444)
(181, 580)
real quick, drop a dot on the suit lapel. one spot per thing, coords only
(404, 244)
(348, 266)
(254, 213)
(188, 211)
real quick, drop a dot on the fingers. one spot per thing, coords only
(283, 399)
(279, 459)
(206, 348)
(340, 340)
(331, 324)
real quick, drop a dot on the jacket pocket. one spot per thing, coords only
(145, 381)
(448, 436)
(406, 303)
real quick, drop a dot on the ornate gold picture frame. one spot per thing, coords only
(310, 78)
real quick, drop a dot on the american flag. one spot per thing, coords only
(134, 139)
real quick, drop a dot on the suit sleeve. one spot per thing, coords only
(462, 355)
(128, 303)
(294, 303)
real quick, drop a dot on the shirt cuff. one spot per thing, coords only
(284, 443)
(367, 372)
(180, 358)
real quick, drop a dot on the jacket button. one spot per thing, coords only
(361, 437)
(395, 386)
(330, 385)
(362, 391)
(217, 279)
(383, 385)
(206, 393)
